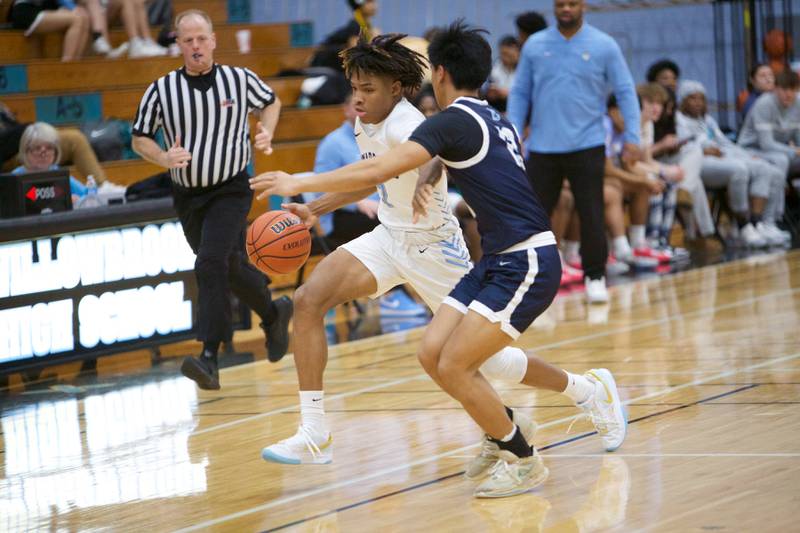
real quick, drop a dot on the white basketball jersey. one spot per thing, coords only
(395, 211)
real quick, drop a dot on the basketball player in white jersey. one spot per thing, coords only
(430, 255)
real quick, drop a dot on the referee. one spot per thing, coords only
(203, 109)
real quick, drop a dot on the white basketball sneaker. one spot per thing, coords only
(479, 466)
(300, 448)
(513, 475)
(605, 409)
(596, 292)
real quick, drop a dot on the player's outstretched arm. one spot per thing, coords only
(309, 213)
(353, 177)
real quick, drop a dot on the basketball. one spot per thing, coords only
(278, 242)
(776, 43)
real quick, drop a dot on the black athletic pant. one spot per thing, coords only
(584, 170)
(214, 221)
(348, 225)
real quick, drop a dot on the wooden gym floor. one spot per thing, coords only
(708, 362)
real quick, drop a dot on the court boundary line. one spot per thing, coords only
(556, 344)
(386, 471)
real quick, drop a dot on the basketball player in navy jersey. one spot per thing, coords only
(517, 277)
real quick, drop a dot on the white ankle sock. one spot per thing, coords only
(509, 364)
(636, 233)
(621, 247)
(579, 389)
(510, 436)
(312, 412)
(571, 248)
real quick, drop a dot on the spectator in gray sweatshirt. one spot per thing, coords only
(773, 125)
(755, 186)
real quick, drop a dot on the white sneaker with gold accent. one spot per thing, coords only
(605, 409)
(513, 475)
(479, 466)
(300, 448)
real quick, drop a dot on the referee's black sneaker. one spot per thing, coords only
(202, 370)
(278, 331)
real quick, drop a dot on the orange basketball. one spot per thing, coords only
(278, 242)
(776, 43)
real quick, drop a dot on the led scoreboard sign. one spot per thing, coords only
(90, 293)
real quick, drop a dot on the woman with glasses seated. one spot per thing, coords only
(39, 150)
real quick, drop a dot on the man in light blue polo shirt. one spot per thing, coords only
(562, 80)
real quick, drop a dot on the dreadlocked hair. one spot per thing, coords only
(385, 56)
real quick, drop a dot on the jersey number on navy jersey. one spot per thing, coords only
(511, 143)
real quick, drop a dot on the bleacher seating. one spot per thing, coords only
(51, 75)
(121, 102)
(16, 47)
(116, 87)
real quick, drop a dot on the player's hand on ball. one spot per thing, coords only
(422, 197)
(303, 212)
(177, 156)
(276, 182)
(263, 139)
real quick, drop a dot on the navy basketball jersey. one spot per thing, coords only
(481, 151)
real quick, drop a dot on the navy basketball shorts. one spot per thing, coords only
(511, 288)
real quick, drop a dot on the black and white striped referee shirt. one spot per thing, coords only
(209, 113)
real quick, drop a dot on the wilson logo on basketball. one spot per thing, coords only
(283, 225)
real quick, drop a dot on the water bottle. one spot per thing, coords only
(91, 199)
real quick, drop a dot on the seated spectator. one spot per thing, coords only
(38, 17)
(425, 101)
(661, 215)
(669, 149)
(650, 186)
(762, 80)
(527, 24)
(327, 54)
(664, 72)
(73, 146)
(750, 181)
(772, 128)
(621, 183)
(133, 14)
(39, 150)
(335, 150)
(502, 76)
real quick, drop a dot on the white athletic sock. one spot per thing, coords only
(621, 247)
(312, 412)
(509, 364)
(510, 436)
(637, 236)
(579, 389)
(571, 248)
